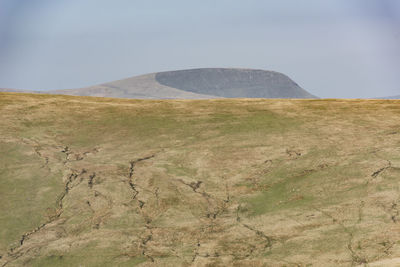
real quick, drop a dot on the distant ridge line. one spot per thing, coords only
(200, 83)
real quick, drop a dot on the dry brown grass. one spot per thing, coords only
(243, 182)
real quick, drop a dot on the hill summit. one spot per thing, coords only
(233, 83)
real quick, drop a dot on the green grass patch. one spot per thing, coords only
(90, 255)
(26, 191)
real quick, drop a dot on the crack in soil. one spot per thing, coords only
(227, 191)
(140, 203)
(387, 246)
(156, 194)
(195, 186)
(133, 162)
(355, 257)
(379, 171)
(259, 233)
(36, 147)
(293, 153)
(145, 240)
(91, 179)
(68, 186)
(394, 210)
(211, 213)
(46, 159)
(132, 170)
(71, 178)
(72, 156)
(67, 152)
(196, 251)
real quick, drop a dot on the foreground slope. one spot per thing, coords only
(247, 182)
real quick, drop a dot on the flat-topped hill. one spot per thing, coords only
(196, 84)
(240, 83)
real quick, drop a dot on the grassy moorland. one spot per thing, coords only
(248, 182)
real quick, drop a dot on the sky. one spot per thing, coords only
(331, 48)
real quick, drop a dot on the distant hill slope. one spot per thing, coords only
(197, 84)
(142, 87)
(391, 97)
(9, 90)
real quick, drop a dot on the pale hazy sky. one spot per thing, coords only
(332, 48)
